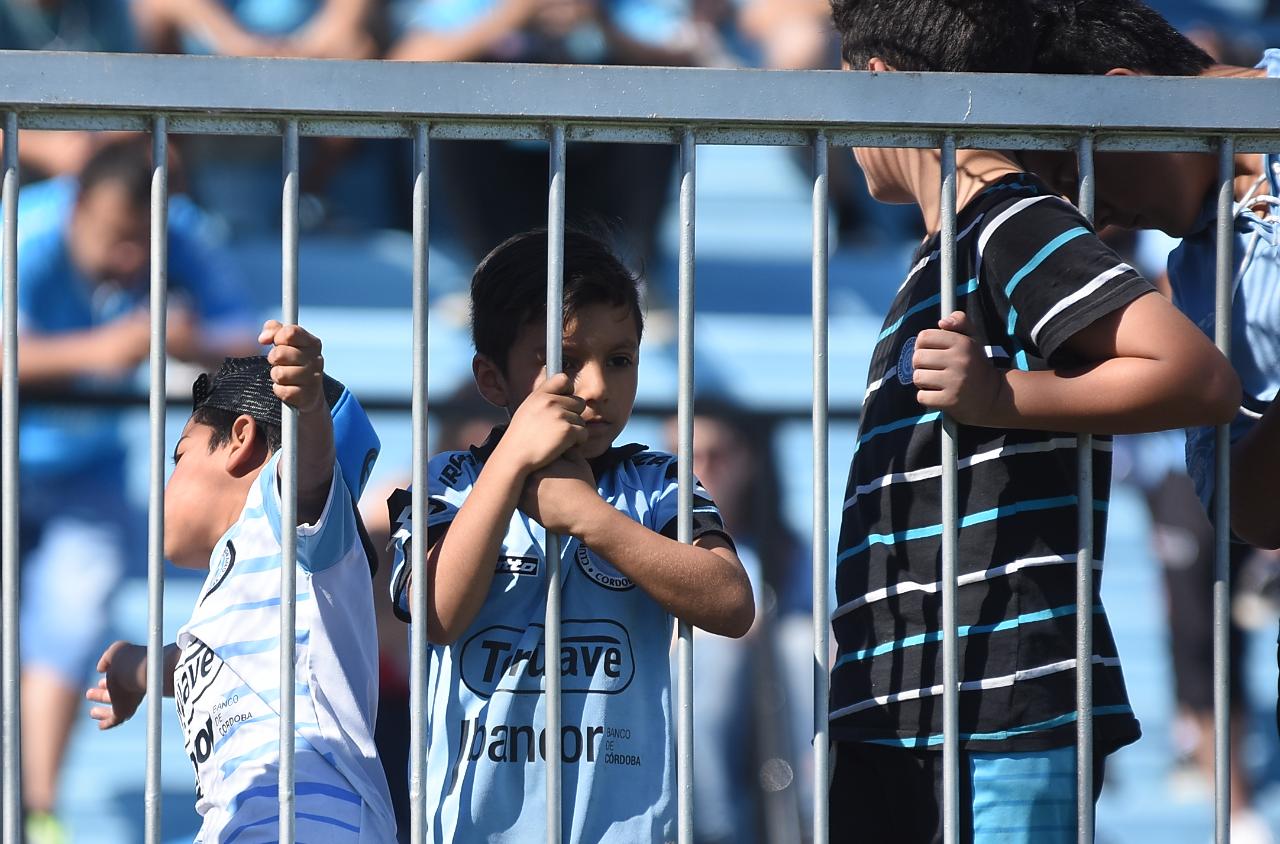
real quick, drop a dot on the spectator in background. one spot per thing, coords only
(87, 26)
(495, 189)
(82, 294)
(238, 179)
(743, 748)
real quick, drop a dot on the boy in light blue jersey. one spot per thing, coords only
(554, 469)
(222, 512)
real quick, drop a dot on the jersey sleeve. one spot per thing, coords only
(451, 477)
(1048, 273)
(664, 508)
(331, 538)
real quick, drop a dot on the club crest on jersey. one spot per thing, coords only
(601, 572)
(906, 367)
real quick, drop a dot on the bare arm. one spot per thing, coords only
(1152, 370)
(703, 584)
(1255, 465)
(460, 565)
(298, 375)
(162, 20)
(338, 31)
(111, 349)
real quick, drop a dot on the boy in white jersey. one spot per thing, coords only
(222, 512)
(553, 470)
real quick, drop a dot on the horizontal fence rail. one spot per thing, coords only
(292, 99)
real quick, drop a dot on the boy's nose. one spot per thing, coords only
(589, 385)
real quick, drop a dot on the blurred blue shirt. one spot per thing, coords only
(83, 25)
(648, 21)
(1255, 311)
(55, 298)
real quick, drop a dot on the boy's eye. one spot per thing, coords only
(620, 360)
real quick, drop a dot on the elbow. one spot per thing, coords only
(1210, 394)
(1260, 534)
(740, 613)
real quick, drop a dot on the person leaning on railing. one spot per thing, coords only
(1054, 335)
(1178, 194)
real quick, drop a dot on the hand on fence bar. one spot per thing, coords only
(954, 374)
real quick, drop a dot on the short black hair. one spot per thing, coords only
(125, 162)
(220, 422)
(1095, 36)
(957, 36)
(509, 287)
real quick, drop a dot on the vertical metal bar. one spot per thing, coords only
(555, 338)
(684, 495)
(288, 487)
(1084, 572)
(821, 494)
(950, 527)
(155, 501)
(1222, 508)
(418, 550)
(12, 722)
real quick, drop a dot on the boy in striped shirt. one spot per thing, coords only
(1054, 336)
(222, 512)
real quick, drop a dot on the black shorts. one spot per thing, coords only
(891, 795)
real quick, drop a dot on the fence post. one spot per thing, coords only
(684, 455)
(155, 501)
(288, 489)
(555, 339)
(418, 515)
(12, 720)
(821, 495)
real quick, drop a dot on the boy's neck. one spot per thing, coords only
(976, 170)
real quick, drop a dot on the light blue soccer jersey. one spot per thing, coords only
(485, 718)
(227, 682)
(1255, 311)
(54, 298)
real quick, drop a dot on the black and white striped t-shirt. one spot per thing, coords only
(1030, 274)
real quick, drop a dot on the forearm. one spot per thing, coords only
(316, 457)
(1116, 396)
(624, 49)
(170, 664)
(337, 31)
(46, 359)
(703, 587)
(461, 563)
(1255, 465)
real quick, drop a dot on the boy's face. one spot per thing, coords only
(601, 354)
(1135, 190)
(192, 497)
(109, 237)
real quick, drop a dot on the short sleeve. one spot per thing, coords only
(665, 505)
(332, 536)
(451, 475)
(1048, 273)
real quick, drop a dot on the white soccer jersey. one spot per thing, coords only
(485, 717)
(227, 681)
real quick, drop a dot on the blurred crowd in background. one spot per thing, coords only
(84, 228)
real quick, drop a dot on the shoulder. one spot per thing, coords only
(452, 470)
(651, 470)
(1037, 216)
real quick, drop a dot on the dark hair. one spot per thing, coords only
(958, 36)
(1095, 36)
(126, 163)
(220, 421)
(509, 287)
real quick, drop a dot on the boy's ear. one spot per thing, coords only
(1122, 71)
(878, 65)
(489, 380)
(247, 447)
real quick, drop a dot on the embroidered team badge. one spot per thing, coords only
(600, 571)
(907, 369)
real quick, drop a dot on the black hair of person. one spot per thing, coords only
(509, 287)
(957, 36)
(1095, 36)
(220, 423)
(126, 163)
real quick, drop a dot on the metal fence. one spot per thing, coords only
(686, 107)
